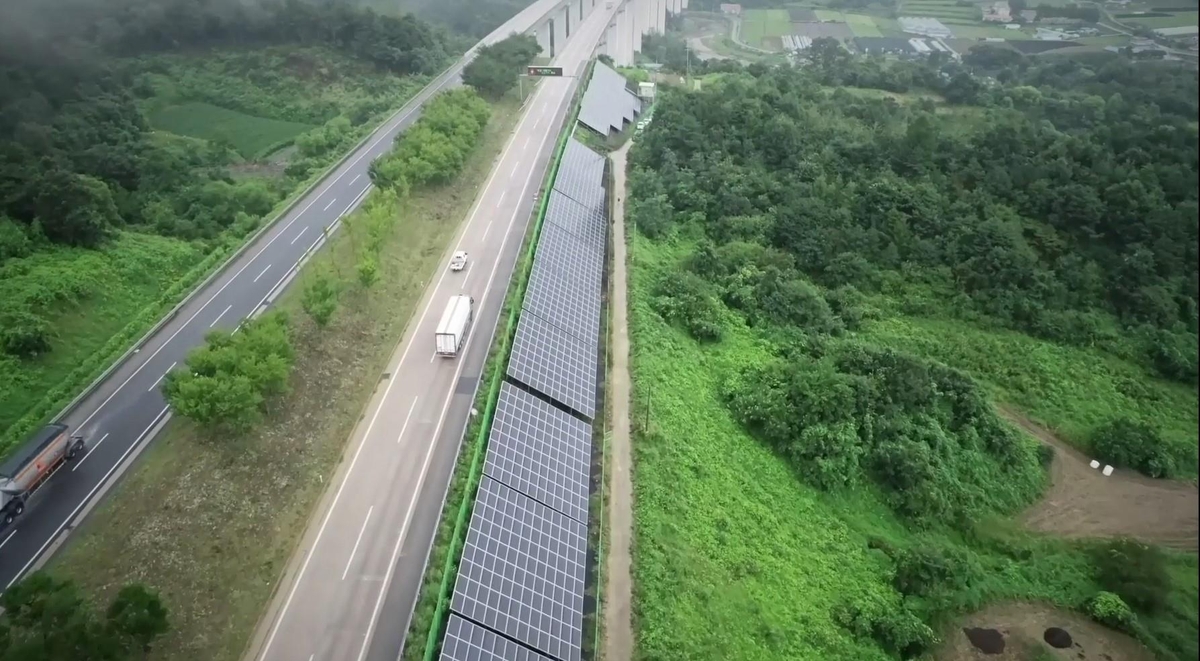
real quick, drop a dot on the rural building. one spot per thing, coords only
(795, 42)
(1045, 34)
(998, 12)
(1028, 15)
(925, 26)
(735, 10)
(884, 45)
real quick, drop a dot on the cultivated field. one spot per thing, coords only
(945, 10)
(761, 24)
(1176, 19)
(249, 136)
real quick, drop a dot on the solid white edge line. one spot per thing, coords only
(87, 498)
(357, 541)
(89, 453)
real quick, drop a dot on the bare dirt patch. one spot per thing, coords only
(1016, 631)
(1082, 503)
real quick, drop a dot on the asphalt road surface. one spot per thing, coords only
(350, 591)
(121, 417)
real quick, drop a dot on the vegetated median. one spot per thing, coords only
(817, 333)
(211, 519)
(124, 217)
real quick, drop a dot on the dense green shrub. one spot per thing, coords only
(687, 300)
(1110, 610)
(1134, 571)
(1132, 444)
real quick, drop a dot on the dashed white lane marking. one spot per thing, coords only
(90, 451)
(357, 542)
(214, 323)
(164, 375)
(408, 417)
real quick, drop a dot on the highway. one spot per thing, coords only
(123, 414)
(349, 592)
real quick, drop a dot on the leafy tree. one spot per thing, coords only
(435, 148)
(138, 616)
(496, 66)
(47, 619)
(225, 384)
(76, 209)
(368, 269)
(320, 298)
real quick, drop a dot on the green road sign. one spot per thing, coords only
(544, 71)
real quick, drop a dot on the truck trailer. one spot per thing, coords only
(454, 326)
(32, 465)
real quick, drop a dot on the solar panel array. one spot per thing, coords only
(519, 594)
(607, 103)
(522, 571)
(557, 344)
(466, 641)
(540, 451)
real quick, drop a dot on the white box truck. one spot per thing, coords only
(453, 328)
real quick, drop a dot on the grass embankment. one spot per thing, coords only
(212, 526)
(107, 287)
(738, 558)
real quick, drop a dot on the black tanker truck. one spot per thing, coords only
(32, 465)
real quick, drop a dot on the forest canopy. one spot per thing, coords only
(807, 227)
(1063, 204)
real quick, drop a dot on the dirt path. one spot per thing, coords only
(618, 624)
(1081, 502)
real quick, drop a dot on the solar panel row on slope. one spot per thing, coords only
(520, 586)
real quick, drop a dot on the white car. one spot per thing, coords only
(459, 261)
